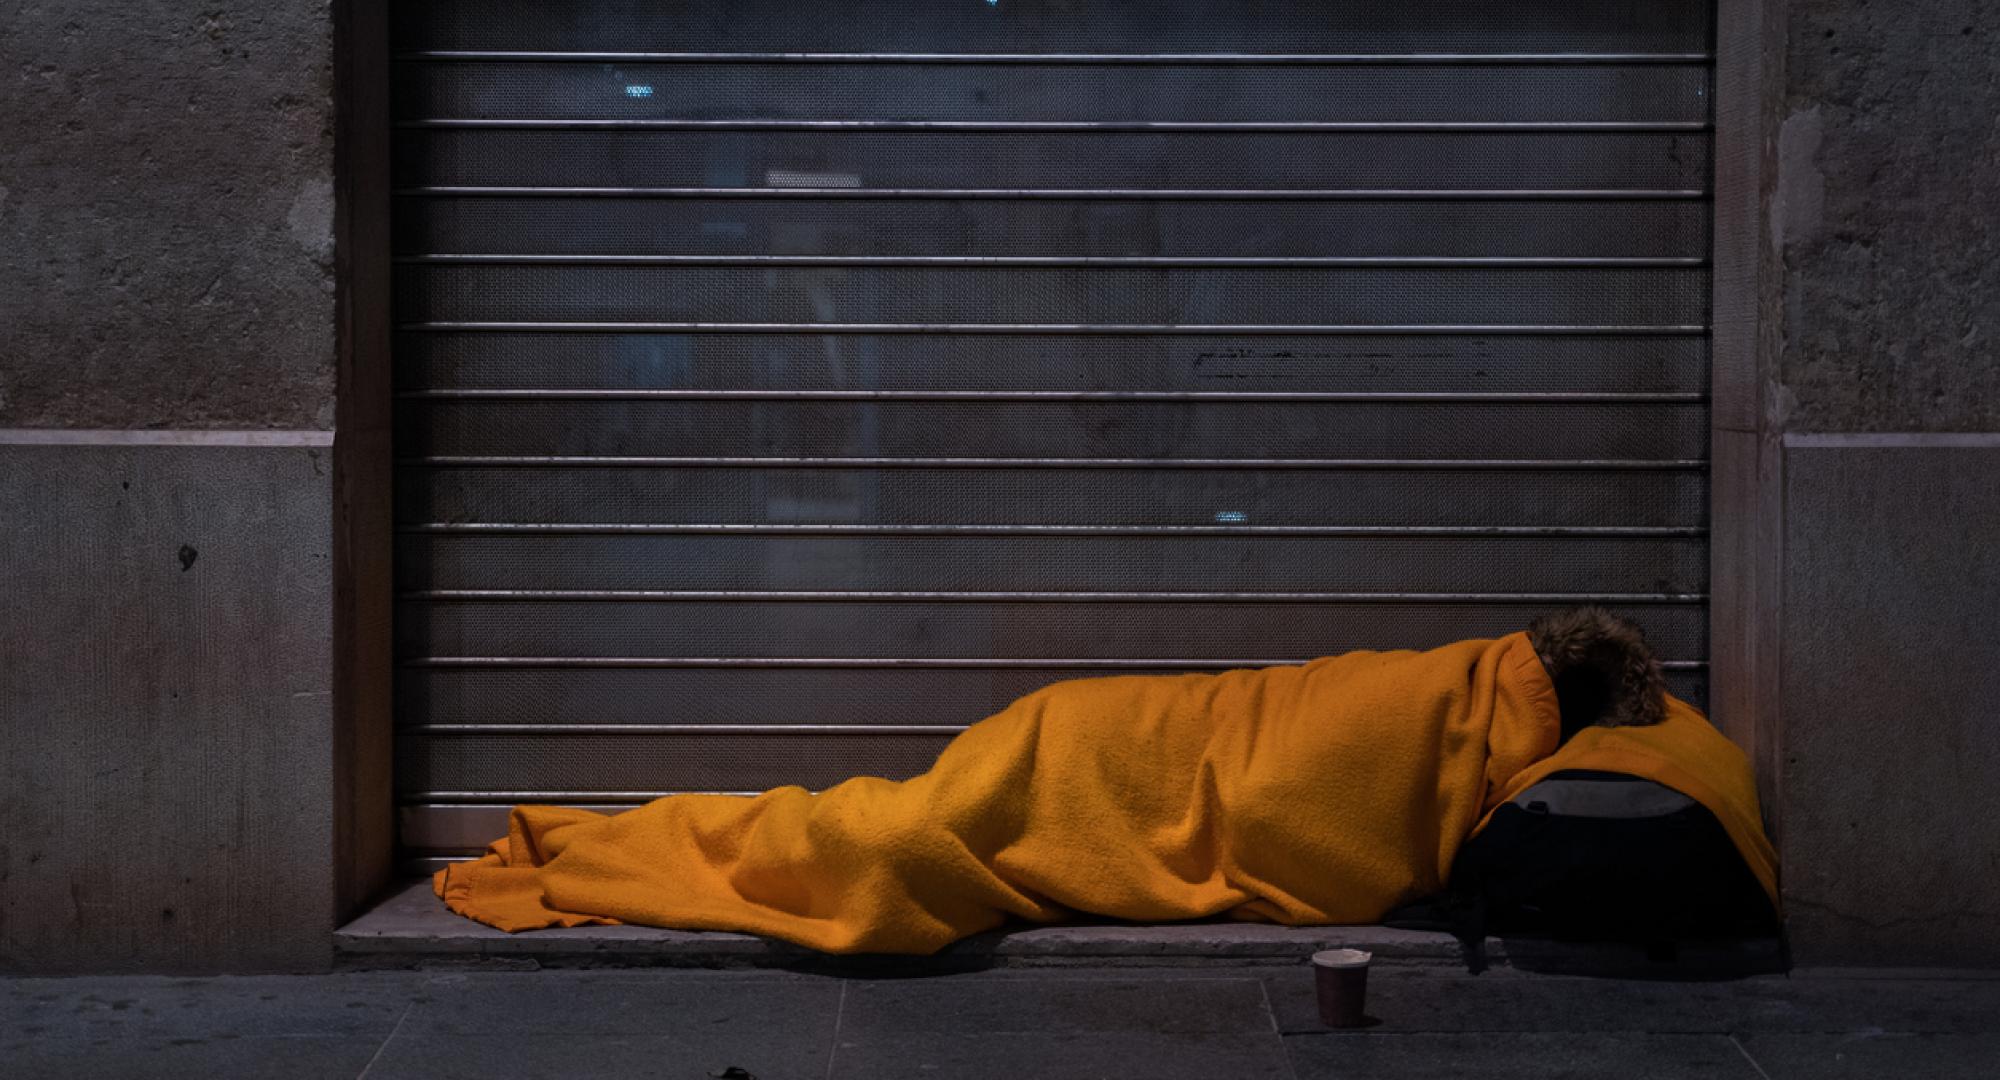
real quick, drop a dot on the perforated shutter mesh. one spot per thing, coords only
(779, 393)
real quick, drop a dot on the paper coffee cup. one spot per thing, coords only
(1341, 976)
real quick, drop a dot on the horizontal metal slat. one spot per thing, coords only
(1461, 364)
(1060, 26)
(460, 828)
(901, 663)
(423, 865)
(949, 296)
(639, 763)
(732, 497)
(1051, 59)
(1045, 228)
(608, 461)
(1016, 596)
(1086, 434)
(505, 798)
(748, 697)
(1064, 564)
(999, 96)
(863, 629)
(1109, 262)
(1132, 164)
(605, 528)
(436, 326)
(1060, 194)
(1212, 397)
(435, 730)
(1249, 127)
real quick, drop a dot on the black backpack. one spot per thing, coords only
(1599, 856)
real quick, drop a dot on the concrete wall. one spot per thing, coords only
(1887, 400)
(1888, 156)
(164, 706)
(167, 199)
(166, 662)
(1892, 698)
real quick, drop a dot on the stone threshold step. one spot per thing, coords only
(409, 928)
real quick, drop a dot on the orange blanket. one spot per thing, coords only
(1323, 793)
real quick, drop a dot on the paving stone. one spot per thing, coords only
(1065, 1056)
(1876, 1054)
(294, 1057)
(164, 1008)
(1518, 1056)
(1898, 1005)
(772, 1052)
(1501, 1001)
(704, 1008)
(1214, 1020)
(1054, 1005)
(1505, 1001)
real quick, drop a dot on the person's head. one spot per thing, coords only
(1604, 672)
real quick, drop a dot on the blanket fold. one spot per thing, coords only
(1322, 793)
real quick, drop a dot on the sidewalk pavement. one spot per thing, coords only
(1217, 1022)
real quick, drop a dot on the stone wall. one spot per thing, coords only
(166, 197)
(1891, 840)
(167, 364)
(1887, 406)
(1888, 153)
(165, 775)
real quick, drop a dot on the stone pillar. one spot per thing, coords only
(167, 393)
(1887, 406)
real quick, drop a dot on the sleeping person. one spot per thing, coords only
(1328, 792)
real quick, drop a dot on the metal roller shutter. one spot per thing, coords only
(782, 387)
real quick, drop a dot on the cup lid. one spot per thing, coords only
(1342, 958)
